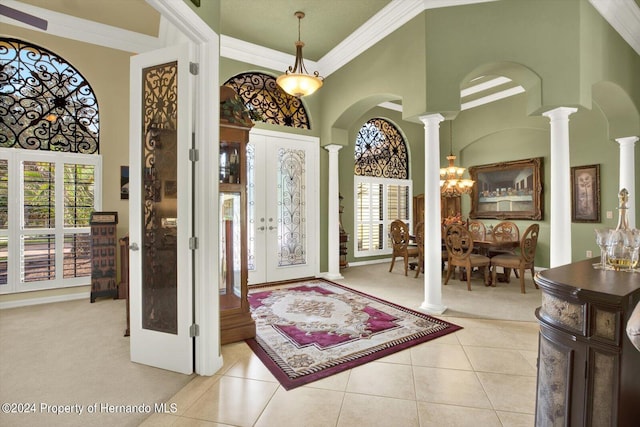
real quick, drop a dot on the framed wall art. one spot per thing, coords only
(585, 193)
(507, 190)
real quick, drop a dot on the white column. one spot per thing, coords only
(560, 222)
(432, 232)
(333, 216)
(628, 174)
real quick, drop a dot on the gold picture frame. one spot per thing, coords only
(507, 190)
(585, 193)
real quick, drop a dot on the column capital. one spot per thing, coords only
(433, 119)
(333, 148)
(560, 113)
(627, 140)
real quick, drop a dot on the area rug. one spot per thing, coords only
(310, 330)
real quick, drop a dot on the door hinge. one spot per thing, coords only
(193, 243)
(194, 68)
(194, 330)
(193, 154)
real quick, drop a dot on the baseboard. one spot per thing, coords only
(373, 261)
(44, 300)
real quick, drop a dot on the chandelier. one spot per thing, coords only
(451, 182)
(296, 80)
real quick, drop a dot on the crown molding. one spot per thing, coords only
(70, 27)
(261, 56)
(624, 17)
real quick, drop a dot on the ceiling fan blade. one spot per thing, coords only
(23, 17)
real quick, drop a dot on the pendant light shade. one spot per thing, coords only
(297, 81)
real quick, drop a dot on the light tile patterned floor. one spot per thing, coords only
(482, 375)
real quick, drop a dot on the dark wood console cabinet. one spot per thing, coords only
(588, 370)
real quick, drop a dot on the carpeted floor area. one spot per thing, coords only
(74, 353)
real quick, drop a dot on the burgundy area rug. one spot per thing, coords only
(310, 330)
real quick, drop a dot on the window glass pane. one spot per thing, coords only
(77, 255)
(78, 194)
(292, 233)
(39, 194)
(38, 258)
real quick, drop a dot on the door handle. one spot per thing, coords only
(134, 247)
(261, 228)
(271, 227)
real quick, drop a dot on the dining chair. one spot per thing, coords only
(519, 261)
(419, 232)
(399, 233)
(459, 243)
(477, 229)
(505, 230)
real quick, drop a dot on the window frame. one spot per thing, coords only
(15, 225)
(386, 248)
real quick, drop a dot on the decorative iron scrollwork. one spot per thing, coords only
(261, 94)
(381, 151)
(45, 103)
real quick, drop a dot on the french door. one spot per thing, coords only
(282, 197)
(159, 210)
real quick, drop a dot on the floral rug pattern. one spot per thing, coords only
(316, 328)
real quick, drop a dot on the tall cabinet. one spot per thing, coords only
(588, 370)
(236, 323)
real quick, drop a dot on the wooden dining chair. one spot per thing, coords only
(477, 229)
(459, 243)
(399, 234)
(419, 232)
(521, 261)
(505, 230)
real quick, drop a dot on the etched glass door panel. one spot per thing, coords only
(159, 205)
(159, 256)
(282, 200)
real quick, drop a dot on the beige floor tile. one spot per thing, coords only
(382, 379)
(438, 355)
(512, 393)
(192, 422)
(192, 392)
(234, 401)
(374, 411)
(402, 357)
(438, 415)
(160, 420)
(449, 386)
(532, 358)
(513, 419)
(495, 337)
(337, 382)
(250, 366)
(302, 406)
(499, 360)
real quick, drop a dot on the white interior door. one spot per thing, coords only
(283, 198)
(159, 210)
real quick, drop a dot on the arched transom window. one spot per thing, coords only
(45, 103)
(383, 190)
(268, 102)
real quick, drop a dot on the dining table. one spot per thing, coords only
(489, 243)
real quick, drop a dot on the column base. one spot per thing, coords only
(332, 276)
(433, 308)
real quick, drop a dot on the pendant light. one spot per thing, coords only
(296, 80)
(451, 182)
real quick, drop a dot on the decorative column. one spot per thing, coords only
(560, 223)
(333, 216)
(628, 174)
(432, 231)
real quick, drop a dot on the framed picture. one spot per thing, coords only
(585, 193)
(507, 190)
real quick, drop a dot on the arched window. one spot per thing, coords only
(45, 103)
(382, 185)
(50, 170)
(268, 101)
